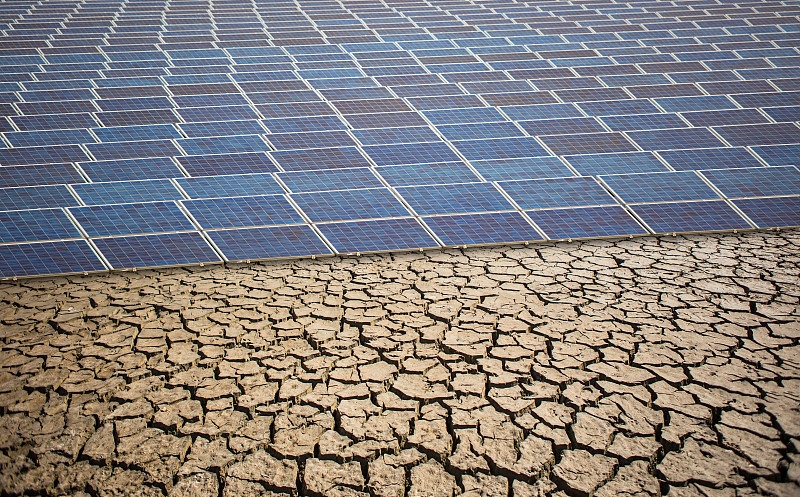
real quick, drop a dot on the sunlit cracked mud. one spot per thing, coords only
(639, 367)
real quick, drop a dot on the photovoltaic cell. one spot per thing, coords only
(235, 212)
(771, 212)
(622, 163)
(329, 179)
(345, 205)
(756, 182)
(474, 229)
(709, 158)
(659, 187)
(500, 148)
(35, 225)
(378, 235)
(525, 168)
(417, 153)
(586, 222)
(666, 139)
(126, 219)
(31, 259)
(170, 249)
(266, 243)
(588, 143)
(121, 192)
(690, 216)
(163, 92)
(131, 169)
(320, 158)
(212, 165)
(36, 197)
(427, 174)
(44, 174)
(454, 199)
(557, 192)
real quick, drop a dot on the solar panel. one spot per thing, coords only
(659, 187)
(234, 212)
(329, 179)
(344, 205)
(36, 197)
(557, 192)
(417, 153)
(36, 225)
(771, 212)
(228, 101)
(620, 163)
(525, 168)
(267, 243)
(586, 222)
(475, 229)
(454, 198)
(756, 182)
(377, 236)
(690, 216)
(126, 219)
(170, 249)
(32, 259)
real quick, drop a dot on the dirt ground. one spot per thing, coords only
(652, 366)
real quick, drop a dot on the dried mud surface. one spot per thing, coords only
(653, 366)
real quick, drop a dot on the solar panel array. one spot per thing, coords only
(148, 133)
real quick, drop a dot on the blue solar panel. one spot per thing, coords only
(31, 259)
(47, 174)
(690, 216)
(35, 225)
(171, 249)
(212, 165)
(131, 169)
(329, 179)
(299, 124)
(266, 243)
(412, 134)
(710, 158)
(321, 158)
(126, 219)
(36, 197)
(417, 153)
(562, 126)
(773, 212)
(412, 89)
(667, 139)
(478, 131)
(756, 182)
(474, 229)
(637, 122)
(470, 115)
(454, 199)
(500, 148)
(120, 192)
(736, 116)
(659, 187)
(541, 111)
(760, 134)
(346, 205)
(779, 155)
(378, 235)
(427, 174)
(525, 168)
(621, 163)
(557, 192)
(238, 212)
(586, 222)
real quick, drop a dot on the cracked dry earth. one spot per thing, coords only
(640, 367)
